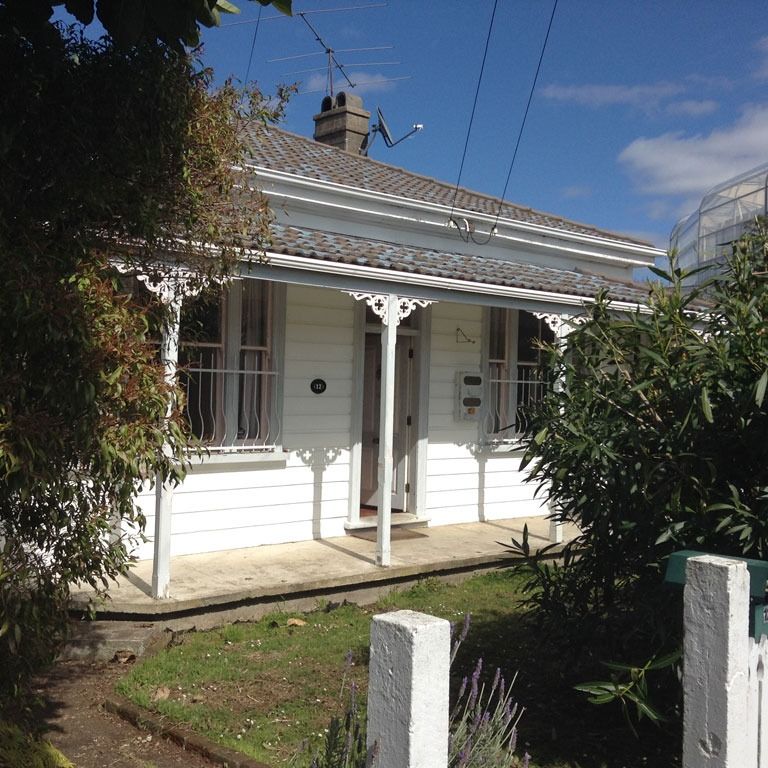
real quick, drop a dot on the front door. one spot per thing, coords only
(402, 436)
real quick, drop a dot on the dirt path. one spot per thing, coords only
(92, 738)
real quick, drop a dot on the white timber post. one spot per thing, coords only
(715, 664)
(391, 309)
(169, 355)
(170, 284)
(386, 430)
(408, 709)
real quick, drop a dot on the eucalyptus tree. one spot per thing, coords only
(115, 149)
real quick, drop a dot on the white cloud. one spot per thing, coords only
(692, 107)
(662, 210)
(762, 69)
(687, 166)
(365, 82)
(316, 82)
(659, 239)
(371, 82)
(576, 192)
(645, 97)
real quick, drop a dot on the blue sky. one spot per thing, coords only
(641, 105)
(639, 109)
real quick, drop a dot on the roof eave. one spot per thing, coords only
(613, 249)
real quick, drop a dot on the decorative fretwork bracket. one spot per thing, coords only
(555, 322)
(171, 284)
(379, 303)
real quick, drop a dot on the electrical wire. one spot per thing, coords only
(525, 117)
(472, 117)
(253, 47)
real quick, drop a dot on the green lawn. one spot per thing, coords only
(265, 687)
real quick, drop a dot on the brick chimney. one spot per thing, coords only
(342, 122)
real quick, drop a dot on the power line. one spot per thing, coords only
(525, 117)
(253, 47)
(474, 106)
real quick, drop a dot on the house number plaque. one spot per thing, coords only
(318, 386)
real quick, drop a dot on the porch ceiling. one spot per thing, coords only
(410, 265)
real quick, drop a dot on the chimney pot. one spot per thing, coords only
(342, 122)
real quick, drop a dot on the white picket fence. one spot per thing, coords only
(724, 683)
(724, 678)
(408, 709)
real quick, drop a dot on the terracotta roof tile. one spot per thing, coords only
(282, 151)
(344, 249)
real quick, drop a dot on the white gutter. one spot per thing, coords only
(534, 244)
(444, 283)
(444, 211)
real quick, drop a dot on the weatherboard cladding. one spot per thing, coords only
(279, 150)
(379, 254)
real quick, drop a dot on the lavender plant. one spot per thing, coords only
(344, 745)
(483, 726)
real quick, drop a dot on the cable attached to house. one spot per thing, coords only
(525, 117)
(467, 226)
(471, 120)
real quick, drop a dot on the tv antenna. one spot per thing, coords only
(331, 54)
(333, 62)
(382, 128)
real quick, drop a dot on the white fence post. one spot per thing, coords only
(715, 676)
(408, 690)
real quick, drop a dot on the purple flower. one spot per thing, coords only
(475, 680)
(463, 688)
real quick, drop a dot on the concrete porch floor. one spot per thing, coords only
(237, 581)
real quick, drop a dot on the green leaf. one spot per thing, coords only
(760, 389)
(653, 354)
(667, 660)
(284, 6)
(224, 6)
(541, 436)
(664, 275)
(706, 406)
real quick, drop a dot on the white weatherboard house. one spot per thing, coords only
(373, 370)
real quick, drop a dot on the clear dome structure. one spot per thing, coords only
(705, 236)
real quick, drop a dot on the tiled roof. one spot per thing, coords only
(391, 257)
(279, 150)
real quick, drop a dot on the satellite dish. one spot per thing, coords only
(382, 128)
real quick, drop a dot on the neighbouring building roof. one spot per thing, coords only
(379, 254)
(279, 150)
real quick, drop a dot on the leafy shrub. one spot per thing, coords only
(655, 442)
(100, 147)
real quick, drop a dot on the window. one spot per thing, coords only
(514, 371)
(227, 367)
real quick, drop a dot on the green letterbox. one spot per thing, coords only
(758, 576)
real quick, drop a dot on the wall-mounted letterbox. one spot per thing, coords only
(469, 395)
(758, 576)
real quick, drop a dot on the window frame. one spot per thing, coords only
(221, 430)
(502, 363)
